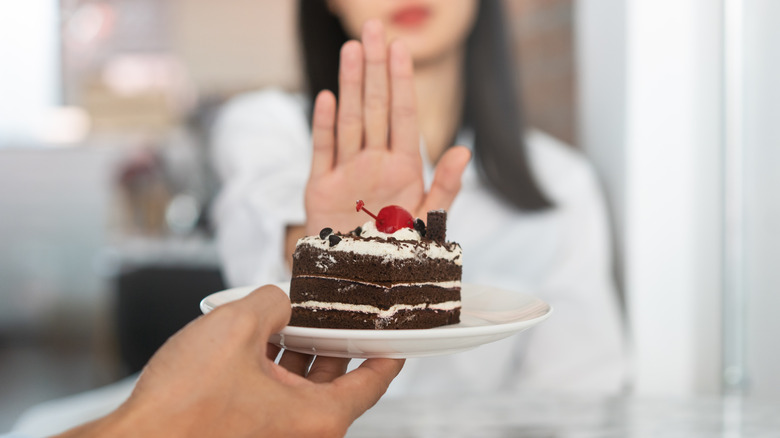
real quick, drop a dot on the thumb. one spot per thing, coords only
(446, 179)
(361, 388)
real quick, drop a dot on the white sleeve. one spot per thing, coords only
(261, 153)
(581, 347)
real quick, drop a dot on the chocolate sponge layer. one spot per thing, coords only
(333, 290)
(417, 319)
(309, 260)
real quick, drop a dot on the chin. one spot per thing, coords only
(423, 54)
(420, 46)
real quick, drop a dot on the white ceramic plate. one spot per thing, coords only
(488, 314)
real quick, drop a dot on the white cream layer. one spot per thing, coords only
(381, 313)
(403, 248)
(442, 284)
(369, 230)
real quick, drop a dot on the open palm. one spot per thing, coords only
(368, 146)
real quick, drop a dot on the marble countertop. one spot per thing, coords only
(504, 415)
(511, 415)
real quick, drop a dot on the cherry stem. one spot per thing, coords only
(360, 206)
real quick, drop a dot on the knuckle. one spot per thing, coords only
(322, 127)
(375, 99)
(406, 75)
(236, 321)
(319, 146)
(351, 77)
(404, 111)
(376, 60)
(350, 118)
(448, 187)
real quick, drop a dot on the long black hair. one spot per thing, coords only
(491, 105)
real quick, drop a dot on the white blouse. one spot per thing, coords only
(262, 153)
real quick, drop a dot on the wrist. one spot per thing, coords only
(112, 424)
(127, 421)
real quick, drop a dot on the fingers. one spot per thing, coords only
(404, 134)
(294, 365)
(269, 310)
(325, 369)
(375, 94)
(271, 351)
(245, 325)
(362, 388)
(350, 112)
(297, 363)
(370, 103)
(323, 134)
(446, 179)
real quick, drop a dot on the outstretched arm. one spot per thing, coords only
(217, 377)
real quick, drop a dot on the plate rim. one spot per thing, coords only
(441, 332)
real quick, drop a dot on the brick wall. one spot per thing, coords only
(544, 42)
(542, 32)
(228, 55)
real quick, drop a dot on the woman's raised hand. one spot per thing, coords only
(368, 145)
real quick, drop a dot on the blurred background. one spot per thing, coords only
(105, 182)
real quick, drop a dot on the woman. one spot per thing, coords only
(528, 212)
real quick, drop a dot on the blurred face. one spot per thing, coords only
(430, 28)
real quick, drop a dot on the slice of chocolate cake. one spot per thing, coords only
(370, 279)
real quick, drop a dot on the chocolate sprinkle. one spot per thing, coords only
(357, 231)
(325, 233)
(334, 239)
(419, 225)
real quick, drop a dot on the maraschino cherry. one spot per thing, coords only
(390, 219)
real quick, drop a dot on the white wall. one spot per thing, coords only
(54, 206)
(29, 69)
(601, 75)
(762, 188)
(256, 39)
(651, 123)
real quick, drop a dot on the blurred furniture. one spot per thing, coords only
(159, 285)
(153, 303)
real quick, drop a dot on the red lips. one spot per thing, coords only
(411, 16)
